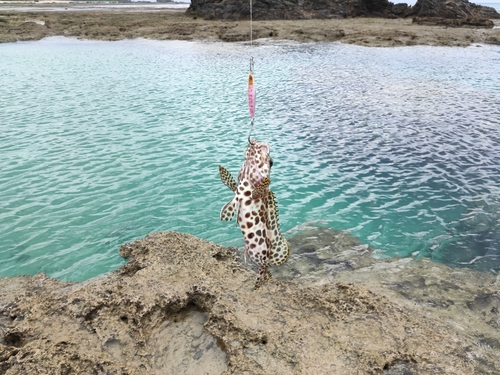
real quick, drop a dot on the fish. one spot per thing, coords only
(256, 210)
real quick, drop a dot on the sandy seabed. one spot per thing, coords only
(120, 22)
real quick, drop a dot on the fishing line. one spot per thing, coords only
(251, 87)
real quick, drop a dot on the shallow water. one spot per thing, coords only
(104, 142)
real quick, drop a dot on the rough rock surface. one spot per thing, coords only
(453, 9)
(182, 305)
(321, 9)
(438, 21)
(122, 24)
(286, 9)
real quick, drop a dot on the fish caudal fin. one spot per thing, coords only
(227, 179)
(280, 250)
(262, 190)
(264, 277)
(228, 211)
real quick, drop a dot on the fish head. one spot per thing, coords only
(258, 162)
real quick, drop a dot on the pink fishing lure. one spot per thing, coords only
(251, 95)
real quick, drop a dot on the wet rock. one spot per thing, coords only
(188, 306)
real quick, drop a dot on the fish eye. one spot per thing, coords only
(270, 162)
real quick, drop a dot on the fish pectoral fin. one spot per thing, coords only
(262, 190)
(227, 179)
(228, 211)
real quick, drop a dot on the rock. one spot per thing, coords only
(452, 9)
(182, 305)
(399, 9)
(288, 9)
(306, 9)
(438, 21)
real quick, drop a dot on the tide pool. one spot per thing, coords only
(104, 142)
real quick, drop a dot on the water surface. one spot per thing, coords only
(105, 142)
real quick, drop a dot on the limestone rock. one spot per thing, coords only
(461, 22)
(182, 305)
(288, 9)
(452, 9)
(321, 9)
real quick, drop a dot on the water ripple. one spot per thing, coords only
(104, 142)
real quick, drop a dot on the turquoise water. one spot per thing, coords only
(104, 142)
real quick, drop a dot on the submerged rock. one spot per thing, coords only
(182, 305)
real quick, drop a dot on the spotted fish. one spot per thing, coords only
(256, 209)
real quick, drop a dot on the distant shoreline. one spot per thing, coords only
(161, 21)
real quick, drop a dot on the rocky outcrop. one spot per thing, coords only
(306, 9)
(288, 9)
(182, 305)
(452, 9)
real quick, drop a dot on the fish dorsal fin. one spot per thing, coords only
(227, 179)
(262, 190)
(280, 250)
(228, 211)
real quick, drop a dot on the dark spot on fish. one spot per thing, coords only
(256, 220)
(245, 183)
(247, 215)
(250, 235)
(249, 224)
(248, 193)
(252, 246)
(248, 202)
(261, 241)
(259, 233)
